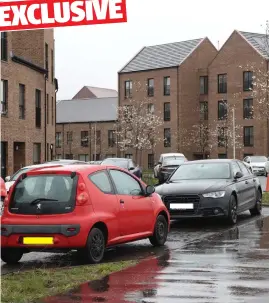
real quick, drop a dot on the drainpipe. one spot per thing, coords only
(178, 135)
(45, 120)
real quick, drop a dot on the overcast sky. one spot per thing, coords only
(92, 55)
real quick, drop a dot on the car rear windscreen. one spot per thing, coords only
(44, 194)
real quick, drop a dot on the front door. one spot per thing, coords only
(136, 211)
(240, 186)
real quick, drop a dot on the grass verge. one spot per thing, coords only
(265, 198)
(29, 286)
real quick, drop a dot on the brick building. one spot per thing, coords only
(28, 94)
(85, 128)
(178, 78)
(89, 92)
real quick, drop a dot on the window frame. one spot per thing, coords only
(151, 155)
(131, 176)
(128, 91)
(86, 142)
(4, 46)
(166, 113)
(247, 83)
(165, 138)
(203, 85)
(222, 83)
(111, 140)
(38, 111)
(22, 101)
(240, 163)
(203, 113)
(250, 112)
(166, 87)
(223, 104)
(69, 137)
(244, 137)
(4, 103)
(113, 192)
(150, 88)
(58, 140)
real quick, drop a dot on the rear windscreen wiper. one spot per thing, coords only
(42, 199)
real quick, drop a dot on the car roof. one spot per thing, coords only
(210, 161)
(172, 154)
(127, 159)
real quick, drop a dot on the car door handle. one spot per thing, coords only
(121, 201)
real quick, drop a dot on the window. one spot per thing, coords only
(128, 89)
(52, 66)
(4, 51)
(37, 153)
(69, 136)
(203, 85)
(247, 81)
(38, 108)
(222, 110)
(247, 155)
(125, 184)
(69, 156)
(204, 110)
(21, 101)
(248, 136)
(222, 137)
(166, 88)
(98, 137)
(128, 156)
(150, 161)
(243, 168)
(128, 111)
(58, 156)
(110, 156)
(4, 96)
(166, 111)
(111, 138)
(222, 83)
(52, 110)
(84, 157)
(150, 87)
(84, 135)
(47, 106)
(248, 108)
(46, 57)
(222, 156)
(96, 157)
(167, 137)
(150, 108)
(101, 180)
(58, 139)
(235, 167)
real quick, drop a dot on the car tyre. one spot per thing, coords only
(232, 215)
(11, 255)
(257, 209)
(160, 232)
(95, 247)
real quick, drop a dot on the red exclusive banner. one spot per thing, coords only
(37, 14)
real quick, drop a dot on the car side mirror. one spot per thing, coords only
(131, 168)
(7, 179)
(238, 175)
(150, 190)
(159, 162)
(248, 161)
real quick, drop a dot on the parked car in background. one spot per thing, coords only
(11, 180)
(211, 188)
(259, 164)
(3, 194)
(125, 163)
(167, 164)
(98, 207)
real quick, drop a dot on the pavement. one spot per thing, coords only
(229, 266)
(263, 182)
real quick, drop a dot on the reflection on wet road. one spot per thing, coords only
(182, 232)
(229, 267)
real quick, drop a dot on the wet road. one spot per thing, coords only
(231, 266)
(182, 233)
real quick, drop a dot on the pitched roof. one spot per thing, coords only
(161, 56)
(259, 41)
(95, 92)
(87, 110)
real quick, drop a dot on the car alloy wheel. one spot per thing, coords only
(232, 217)
(160, 232)
(96, 245)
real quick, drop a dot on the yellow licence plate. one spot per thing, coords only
(38, 240)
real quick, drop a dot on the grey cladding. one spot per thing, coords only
(87, 110)
(161, 56)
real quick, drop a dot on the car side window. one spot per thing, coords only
(243, 168)
(235, 168)
(101, 180)
(125, 184)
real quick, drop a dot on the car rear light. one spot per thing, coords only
(82, 196)
(3, 229)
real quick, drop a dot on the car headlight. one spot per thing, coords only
(216, 194)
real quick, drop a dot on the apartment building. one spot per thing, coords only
(85, 128)
(28, 94)
(168, 77)
(191, 82)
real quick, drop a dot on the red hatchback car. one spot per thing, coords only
(80, 207)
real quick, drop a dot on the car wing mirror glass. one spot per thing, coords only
(131, 168)
(150, 190)
(238, 175)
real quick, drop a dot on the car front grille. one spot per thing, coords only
(186, 199)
